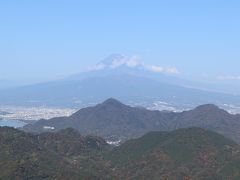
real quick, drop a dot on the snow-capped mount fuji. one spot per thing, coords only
(114, 64)
(119, 64)
(122, 77)
(130, 63)
(119, 60)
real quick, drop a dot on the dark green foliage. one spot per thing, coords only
(192, 152)
(195, 153)
(47, 156)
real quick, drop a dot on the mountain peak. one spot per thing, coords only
(118, 60)
(130, 63)
(111, 58)
(112, 101)
(209, 108)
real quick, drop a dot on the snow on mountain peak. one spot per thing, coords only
(115, 61)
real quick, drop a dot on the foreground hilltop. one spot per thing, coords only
(195, 153)
(48, 155)
(114, 120)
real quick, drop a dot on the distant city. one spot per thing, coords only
(37, 113)
(33, 113)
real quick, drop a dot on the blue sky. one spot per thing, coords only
(46, 39)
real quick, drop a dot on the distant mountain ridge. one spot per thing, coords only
(121, 77)
(114, 120)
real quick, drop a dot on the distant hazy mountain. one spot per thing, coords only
(120, 77)
(4, 84)
(114, 120)
(191, 153)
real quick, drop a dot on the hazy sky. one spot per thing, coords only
(45, 39)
